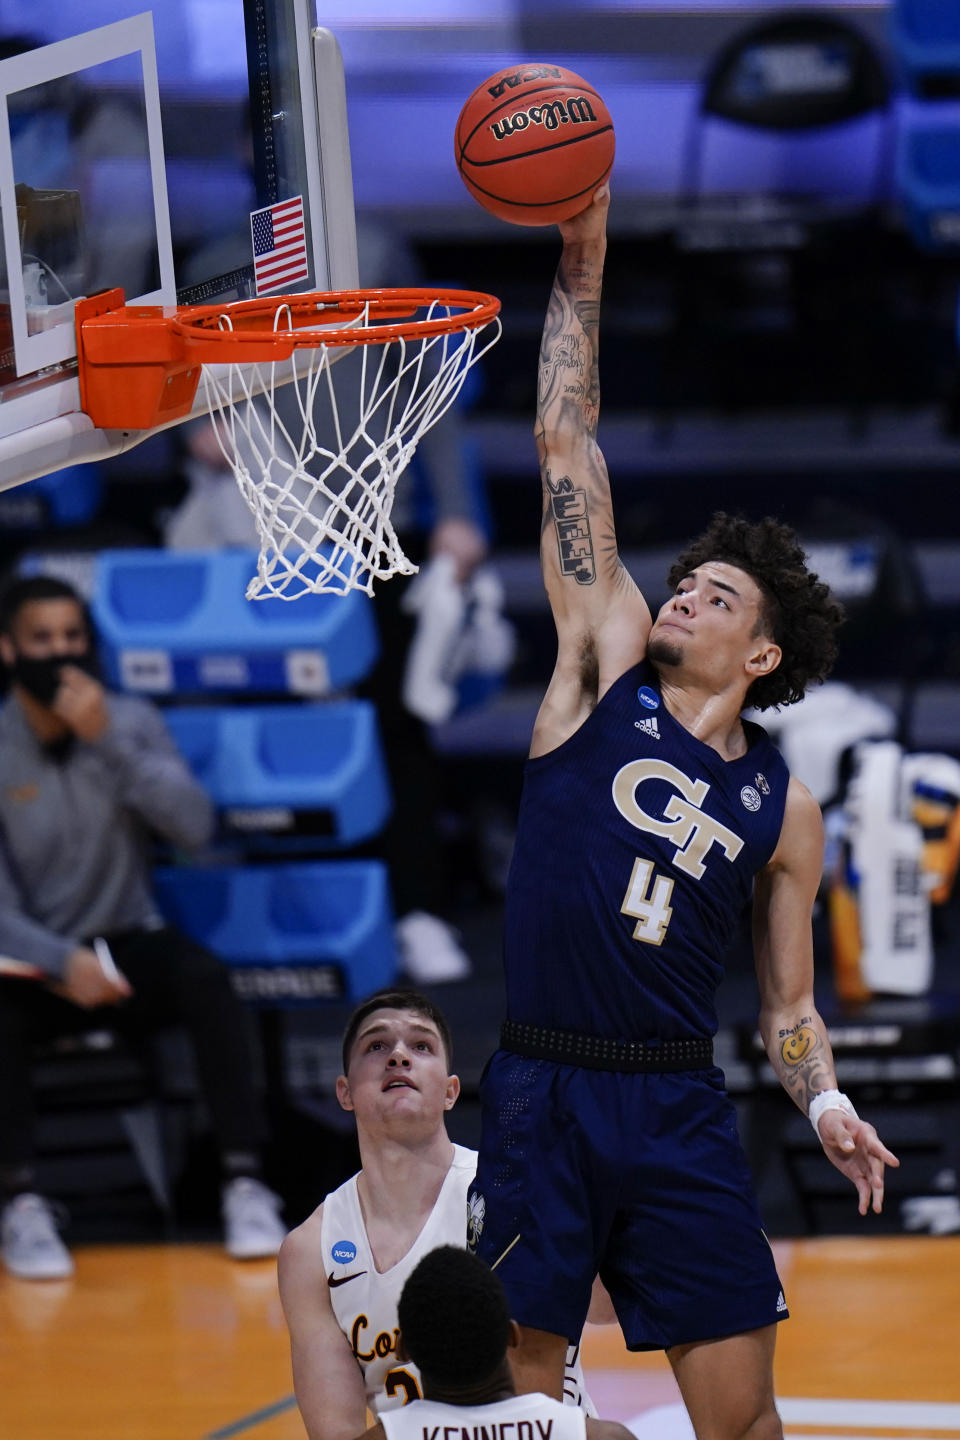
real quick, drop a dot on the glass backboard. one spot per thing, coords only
(192, 153)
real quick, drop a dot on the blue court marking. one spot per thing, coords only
(256, 1417)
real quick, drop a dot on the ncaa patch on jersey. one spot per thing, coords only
(750, 798)
(648, 698)
(344, 1252)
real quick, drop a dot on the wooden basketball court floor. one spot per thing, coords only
(180, 1343)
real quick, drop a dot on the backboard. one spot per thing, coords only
(191, 153)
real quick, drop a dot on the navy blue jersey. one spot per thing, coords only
(637, 845)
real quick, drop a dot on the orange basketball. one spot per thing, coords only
(533, 143)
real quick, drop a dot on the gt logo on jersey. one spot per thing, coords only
(690, 828)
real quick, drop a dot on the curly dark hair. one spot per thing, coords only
(454, 1318)
(798, 612)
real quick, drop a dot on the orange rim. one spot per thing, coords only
(139, 365)
(255, 322)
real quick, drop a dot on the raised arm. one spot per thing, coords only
(602, 619)
(326, 1377)
(794, 1035)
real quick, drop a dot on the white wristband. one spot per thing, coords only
(828, 1100)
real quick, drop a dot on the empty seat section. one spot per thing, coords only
(313, 772)
(928, 179)
(925, 37)
(293, 933)
(180, 623)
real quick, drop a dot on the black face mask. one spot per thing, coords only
(41, 677)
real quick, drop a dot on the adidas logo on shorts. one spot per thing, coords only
(648, 726)
(781, 1303)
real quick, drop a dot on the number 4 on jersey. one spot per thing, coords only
(648, 902)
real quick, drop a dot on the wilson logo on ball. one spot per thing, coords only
(534, 144)
(558, 112)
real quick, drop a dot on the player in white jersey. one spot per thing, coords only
(456, 1328)
(364, 1299)
(341, 1272)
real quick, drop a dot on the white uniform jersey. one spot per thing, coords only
(522, 1417)
(364, 1300)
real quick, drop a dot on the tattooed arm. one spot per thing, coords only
(794, 1036)
(602, 619)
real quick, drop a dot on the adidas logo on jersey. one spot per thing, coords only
(649, 726)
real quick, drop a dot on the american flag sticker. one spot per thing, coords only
(279, 245)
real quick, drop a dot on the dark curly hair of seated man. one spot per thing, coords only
(798, 613)
(454, 1318)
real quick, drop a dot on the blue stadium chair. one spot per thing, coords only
(797, 105)
(62, 499)
(312, 774)
(292, 934)
(180, 623)
(925, 36)
(928, 181)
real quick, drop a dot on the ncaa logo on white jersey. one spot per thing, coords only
(692, 831)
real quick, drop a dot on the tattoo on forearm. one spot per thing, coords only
(568, 509)
(805, 1061)
(798, 1042)
(568, 354)
(609, 559)
(588, 313)
(569, 374)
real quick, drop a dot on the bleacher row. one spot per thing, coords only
(253, 695)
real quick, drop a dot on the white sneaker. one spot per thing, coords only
(31, 1247)
(429, 950)
(251, 1220)
(937, 1214)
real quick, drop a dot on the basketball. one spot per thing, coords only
(533, 143)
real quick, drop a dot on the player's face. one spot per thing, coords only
(398, 1070)
(710, 628)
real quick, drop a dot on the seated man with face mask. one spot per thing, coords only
(85, 776)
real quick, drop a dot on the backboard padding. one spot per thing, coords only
(206, 107)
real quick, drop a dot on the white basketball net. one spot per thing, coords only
(319, 482)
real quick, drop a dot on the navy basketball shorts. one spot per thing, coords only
(638, 1178)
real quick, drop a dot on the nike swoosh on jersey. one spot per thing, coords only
(333, 1283)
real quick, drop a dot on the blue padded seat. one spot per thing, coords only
(928, 181)
(294, 933)
(62, 499)
(289, 770)
(925, 37)
(796, 105)
(180, 622)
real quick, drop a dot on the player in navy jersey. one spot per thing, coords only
(651, 814)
